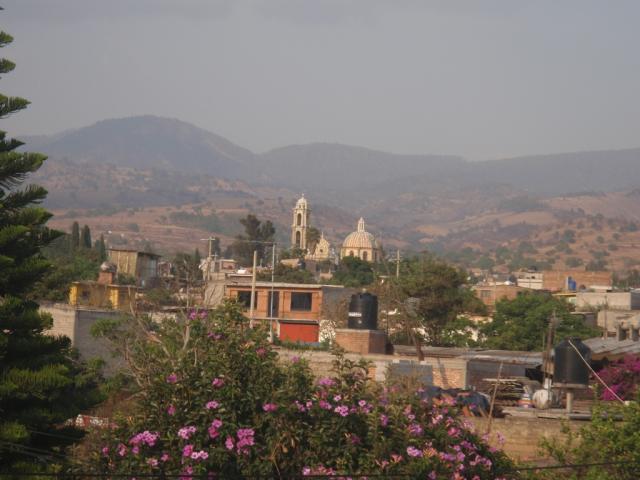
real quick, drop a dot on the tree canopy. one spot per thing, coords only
(42, 384)
(257, 235)
(521, 323)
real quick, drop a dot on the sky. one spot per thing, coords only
(478, 78)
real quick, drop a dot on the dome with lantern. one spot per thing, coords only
(361, 244)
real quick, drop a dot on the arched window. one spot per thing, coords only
(365, 256)
(351, 253)
(298, 242)
(299, 222)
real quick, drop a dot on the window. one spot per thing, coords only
(298, 243)
(485, 294)
(299, 219)
(301, 301)
(244, 298)
(365, 256)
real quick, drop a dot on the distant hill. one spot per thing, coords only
(147, 170)
(335, 172)
(148, 142)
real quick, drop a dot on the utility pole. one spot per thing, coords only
(398, 263)
(273, 272)
(253, 287)
(210, 255)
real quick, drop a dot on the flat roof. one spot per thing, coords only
(283, 285)
(133, 250)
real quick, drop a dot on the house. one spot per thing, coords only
(100, 295)
(491, 293)
(296, 311)
(143, 266)
(530, 279)
(567, 280)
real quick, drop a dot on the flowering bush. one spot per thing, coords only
(622, 377)
(215, 400)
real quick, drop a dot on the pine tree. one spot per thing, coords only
(85, 237)
(41, 384)
(101, 248)
(75, 236)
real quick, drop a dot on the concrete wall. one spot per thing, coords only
(76, 324)
(613, 300)
(610, 319)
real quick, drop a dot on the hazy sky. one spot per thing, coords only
(480, 78)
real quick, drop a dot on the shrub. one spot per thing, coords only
(214, 399)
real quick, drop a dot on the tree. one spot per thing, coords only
(313, 237)
(353, 272)
(75, 236)
(432, 294)
(257, 236)
(42, 384)
(287, 274)
(85, 237)
(521, 323)
(101, 248)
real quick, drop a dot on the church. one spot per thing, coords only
(360, 243)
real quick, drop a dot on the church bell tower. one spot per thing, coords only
(300, 225)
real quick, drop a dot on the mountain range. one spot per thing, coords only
(409, 200)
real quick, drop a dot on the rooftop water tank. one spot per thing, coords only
(363, 311)
(568, 367)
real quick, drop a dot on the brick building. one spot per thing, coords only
(298, 309)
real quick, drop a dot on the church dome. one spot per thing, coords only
(360, 239)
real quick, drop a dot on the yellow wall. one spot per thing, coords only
(89, 294)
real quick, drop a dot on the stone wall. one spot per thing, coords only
(442, 372)
(523, 436)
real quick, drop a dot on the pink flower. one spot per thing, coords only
(122, 449)
(164, 457)
(215, 336)
(384, 420)
(229, 443)
(105, 451)
(413, 452)
(295, 359)
(325, 405)
(186, 473)
(135, 450)
(395, 458)
(213, 429)
(326, 382)
(269, 407)
(201, 455)
(173, 378)
(343, 410)
(306, 471)
(217, 382)
(261, 352)
(153, 462)
(337, 398)
(171, 410)
(212, 405)
(186, 432)
(187, 450)
(415, 429)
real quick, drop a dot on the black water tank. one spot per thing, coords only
(363, 311)
(568, 367)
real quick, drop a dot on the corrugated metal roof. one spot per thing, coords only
(610, 347)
